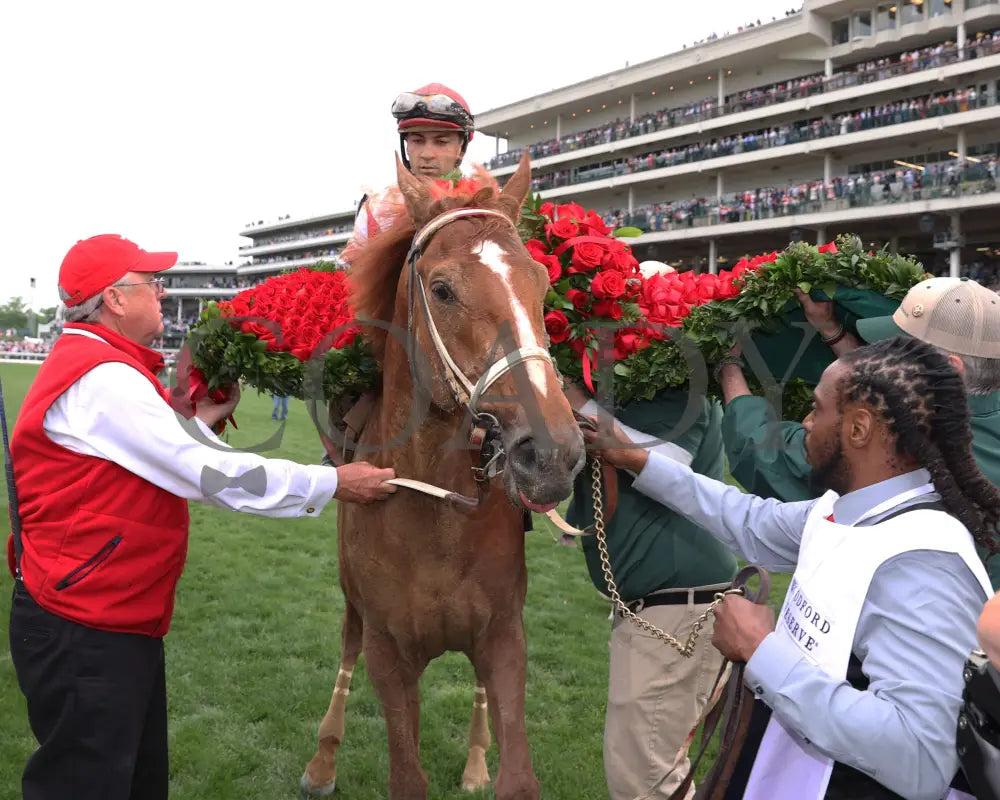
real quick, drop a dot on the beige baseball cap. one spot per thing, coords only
(955, 314)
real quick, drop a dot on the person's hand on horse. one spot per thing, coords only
(819, 313)
(740, 627)
(610, 443)
(212, 412)
(360, 482)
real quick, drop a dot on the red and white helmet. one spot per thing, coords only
(433, 107)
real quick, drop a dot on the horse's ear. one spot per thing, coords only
(416, 195)
(517, 187)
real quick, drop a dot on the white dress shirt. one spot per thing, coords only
(113, 412)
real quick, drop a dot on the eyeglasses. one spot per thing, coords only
(158, 284)
(435, 106)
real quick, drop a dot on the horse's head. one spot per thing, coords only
(472, 296)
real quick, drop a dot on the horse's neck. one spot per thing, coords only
(431, 444)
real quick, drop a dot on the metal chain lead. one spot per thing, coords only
(686, 649)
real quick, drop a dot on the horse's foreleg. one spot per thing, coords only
(501, 664)
(395, 677)
(320, 777)
(477, 774)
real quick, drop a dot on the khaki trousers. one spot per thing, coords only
(654, 698)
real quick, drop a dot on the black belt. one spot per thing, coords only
(673, 599)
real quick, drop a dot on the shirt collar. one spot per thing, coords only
(149, 358)
(849, 508)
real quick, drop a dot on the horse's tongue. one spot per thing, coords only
(538, 508)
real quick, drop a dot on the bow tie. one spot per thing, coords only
(253, 481)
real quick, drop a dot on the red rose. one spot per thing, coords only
(608, 285)
(557, 326)
(562, 229)
(828, 248)
(578, 345)
(346, 338)
(240, 306)
(620, 259)
(309, 335)
(547, 209)
(586, 256)
(256, 329)
(627, 343)
(580, 300)
(595, 225)
(553, 265)
(571, 211)
(536, 248)
(611, 309)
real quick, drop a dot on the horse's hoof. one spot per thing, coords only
(308, 790)
(476, 775)
(473, 786)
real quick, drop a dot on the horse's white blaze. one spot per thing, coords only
(495, 257)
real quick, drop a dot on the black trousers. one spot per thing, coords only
(97, 704)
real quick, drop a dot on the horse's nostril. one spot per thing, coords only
(525, 454)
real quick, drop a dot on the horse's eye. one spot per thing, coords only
(442, 292)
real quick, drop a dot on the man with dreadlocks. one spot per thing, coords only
(959, 316)
(863, 673)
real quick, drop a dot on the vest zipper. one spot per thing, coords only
(89, 565)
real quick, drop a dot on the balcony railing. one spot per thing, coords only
(707, 109)
(813, 200)
(928, 107)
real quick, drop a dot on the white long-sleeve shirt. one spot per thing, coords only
(113, 412)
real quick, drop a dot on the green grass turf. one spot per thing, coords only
(254, 649)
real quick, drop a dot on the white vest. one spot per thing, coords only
(836, 564)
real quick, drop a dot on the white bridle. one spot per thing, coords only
(465, 392)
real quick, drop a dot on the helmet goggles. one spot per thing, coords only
(440, 107)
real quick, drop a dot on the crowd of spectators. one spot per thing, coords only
(901, 184)
(805, 86)
(280, 258)
(24, 346)
(294, 236)
(200, 282)
(260, 223)
(745, 27)
(984, 269)
(954, 101)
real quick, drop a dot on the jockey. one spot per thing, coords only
(435, 127)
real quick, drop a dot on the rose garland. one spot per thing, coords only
(596, 283)
(266, 335)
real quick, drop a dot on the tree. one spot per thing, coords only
(46, 315)
(13, 314)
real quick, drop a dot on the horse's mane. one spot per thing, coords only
(375, 271)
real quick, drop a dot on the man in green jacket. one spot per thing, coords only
(667, 570)
(957, 315)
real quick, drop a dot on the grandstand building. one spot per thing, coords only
(291, 243)
(877, 118)
(274, 248)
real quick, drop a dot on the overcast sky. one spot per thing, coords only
(175, 124)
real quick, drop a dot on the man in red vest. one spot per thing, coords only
(104, 469)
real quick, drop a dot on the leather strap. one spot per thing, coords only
(737, 709)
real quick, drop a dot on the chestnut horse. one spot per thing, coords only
(422, 575)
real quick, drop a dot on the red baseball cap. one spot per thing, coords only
(93, 264)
